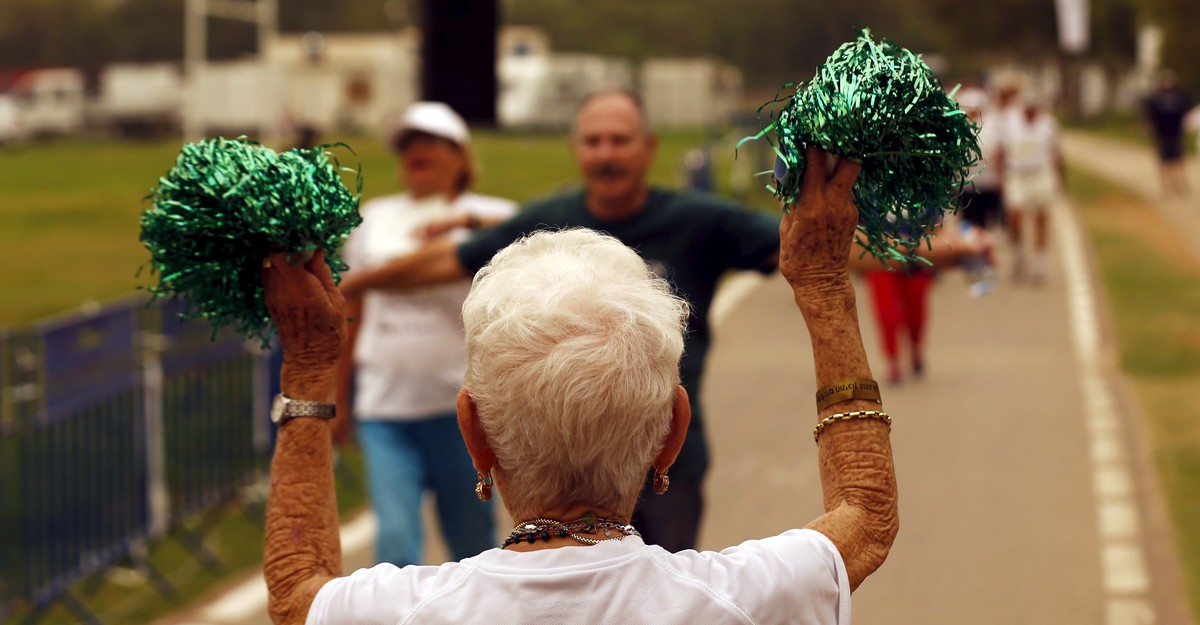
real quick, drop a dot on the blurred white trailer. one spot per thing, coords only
(542, 92)
(233, 98)
(139, 99)
(50, 101)
(12, 128)
(351, 82)
(690, 92)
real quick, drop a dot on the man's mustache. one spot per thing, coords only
(608, 170)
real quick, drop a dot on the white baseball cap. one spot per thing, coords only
(435, 118)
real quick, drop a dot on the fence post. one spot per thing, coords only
(153, 344)
(261, 434)
(25, 397)
(5, 383)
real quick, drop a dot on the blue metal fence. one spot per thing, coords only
(210, 388)
(9, 546)
(115, 426)
(82, 470)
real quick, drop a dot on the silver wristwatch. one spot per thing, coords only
(284, 409)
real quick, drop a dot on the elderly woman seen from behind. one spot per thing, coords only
(571, 395)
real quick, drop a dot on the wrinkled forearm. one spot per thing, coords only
(857, 476)
(302, 549)
(859, 485)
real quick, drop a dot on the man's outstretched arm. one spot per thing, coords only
(435, 263)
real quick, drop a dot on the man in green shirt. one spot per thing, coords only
(690, 239)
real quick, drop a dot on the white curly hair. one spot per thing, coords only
(573, 350)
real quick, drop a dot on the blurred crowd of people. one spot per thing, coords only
(1022, 174)
(1010, 200)
(1012, 191)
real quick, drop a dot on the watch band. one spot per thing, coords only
(304, 408)
(284, 409)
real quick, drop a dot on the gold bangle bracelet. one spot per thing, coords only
(845, 390)
(847, 416)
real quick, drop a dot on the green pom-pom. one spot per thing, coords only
(228, 203)
(880, 105)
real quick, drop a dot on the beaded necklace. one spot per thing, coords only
(530, 531)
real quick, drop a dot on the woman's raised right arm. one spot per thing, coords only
(857, 475)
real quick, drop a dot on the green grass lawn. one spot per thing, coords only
(1153, 286)
(69, 210)
(1123, 125)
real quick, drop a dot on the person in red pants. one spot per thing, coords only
(899, 298)
(900, 290)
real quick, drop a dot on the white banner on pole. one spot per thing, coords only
(1073, 25)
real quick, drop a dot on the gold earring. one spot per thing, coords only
(661, 482)
(483, 489)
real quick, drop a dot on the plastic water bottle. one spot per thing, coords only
(981, 276)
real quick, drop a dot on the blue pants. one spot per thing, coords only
(403, 459)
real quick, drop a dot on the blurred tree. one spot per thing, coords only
(152, 30)
(51, 32)
(325, 16)
(1114, 36)
(1018, 29)
(1115, 31)
(793, 36)
(773, 41)
(1181, 45)
(88, 33)
(145, 30)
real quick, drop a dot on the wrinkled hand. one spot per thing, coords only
(307, 309)
(815, 236)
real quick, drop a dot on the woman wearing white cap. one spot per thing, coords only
(406, 352)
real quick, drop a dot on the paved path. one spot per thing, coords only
(1025, 493)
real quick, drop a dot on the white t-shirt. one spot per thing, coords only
(1031, 147)
(410, 354)
(992, 125)
(796, 578)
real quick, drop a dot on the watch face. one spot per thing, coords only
(277, 406)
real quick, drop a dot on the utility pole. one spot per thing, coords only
(195, 49)
(1074, 30)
